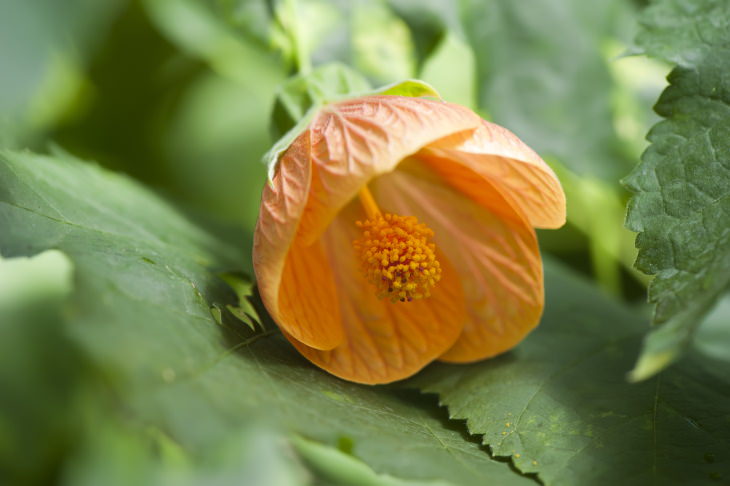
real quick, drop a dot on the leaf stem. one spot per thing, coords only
(301, 55)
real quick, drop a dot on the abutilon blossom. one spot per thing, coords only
(396, 231)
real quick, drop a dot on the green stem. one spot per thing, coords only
(301, 56)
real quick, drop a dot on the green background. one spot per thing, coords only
(134, 349)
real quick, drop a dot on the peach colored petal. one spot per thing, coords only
(358, 139)
(497, 155)
(474, 183)
(384, 341)
(308, 308)
(282, 204)
(346, 144)
(496, 257)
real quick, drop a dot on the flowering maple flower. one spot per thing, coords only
(396, 231)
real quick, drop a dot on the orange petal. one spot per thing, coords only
(358, 139)
(308, 308)
(346, 144)
(493, 250)
(517, 172)
(384, 341)
(296, 285)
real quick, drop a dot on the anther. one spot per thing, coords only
(396, 254)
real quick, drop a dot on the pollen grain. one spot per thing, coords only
(397, 256)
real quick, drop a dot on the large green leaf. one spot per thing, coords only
(683, 33)
(39, 368)
(145, 282)
(115, 452)
(560, 406)
(681, 202)
(50, 432)
(118, 453)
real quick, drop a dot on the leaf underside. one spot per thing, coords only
(681, 189)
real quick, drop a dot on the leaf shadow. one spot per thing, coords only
(429, 403)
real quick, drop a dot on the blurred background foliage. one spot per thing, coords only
(179, 94)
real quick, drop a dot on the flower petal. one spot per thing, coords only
(518, 173)
(493, 249)
(384, 341)
(308, 307)
(346, 144)
(295, 283)
(358, 139)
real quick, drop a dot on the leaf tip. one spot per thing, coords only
(649, 364)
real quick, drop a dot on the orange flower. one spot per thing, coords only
(398, 230)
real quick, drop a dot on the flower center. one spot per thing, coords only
(396, 254)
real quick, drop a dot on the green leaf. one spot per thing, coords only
(23, 280)
(714, 334)
(244, 310)
(364, 34)
(117, 453)
(610, 243)
(410, 87)
(445, 58)
(340, 469)
(39, 367)
(232, 37)
(542, 73)
(684, 33)
(248, 19)
(380, 47)
(224, 123)
(681, 201)
(145, 280)
(430, 21)
(452, 70)
(559, 404)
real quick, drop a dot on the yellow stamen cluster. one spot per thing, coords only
(397, 256)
